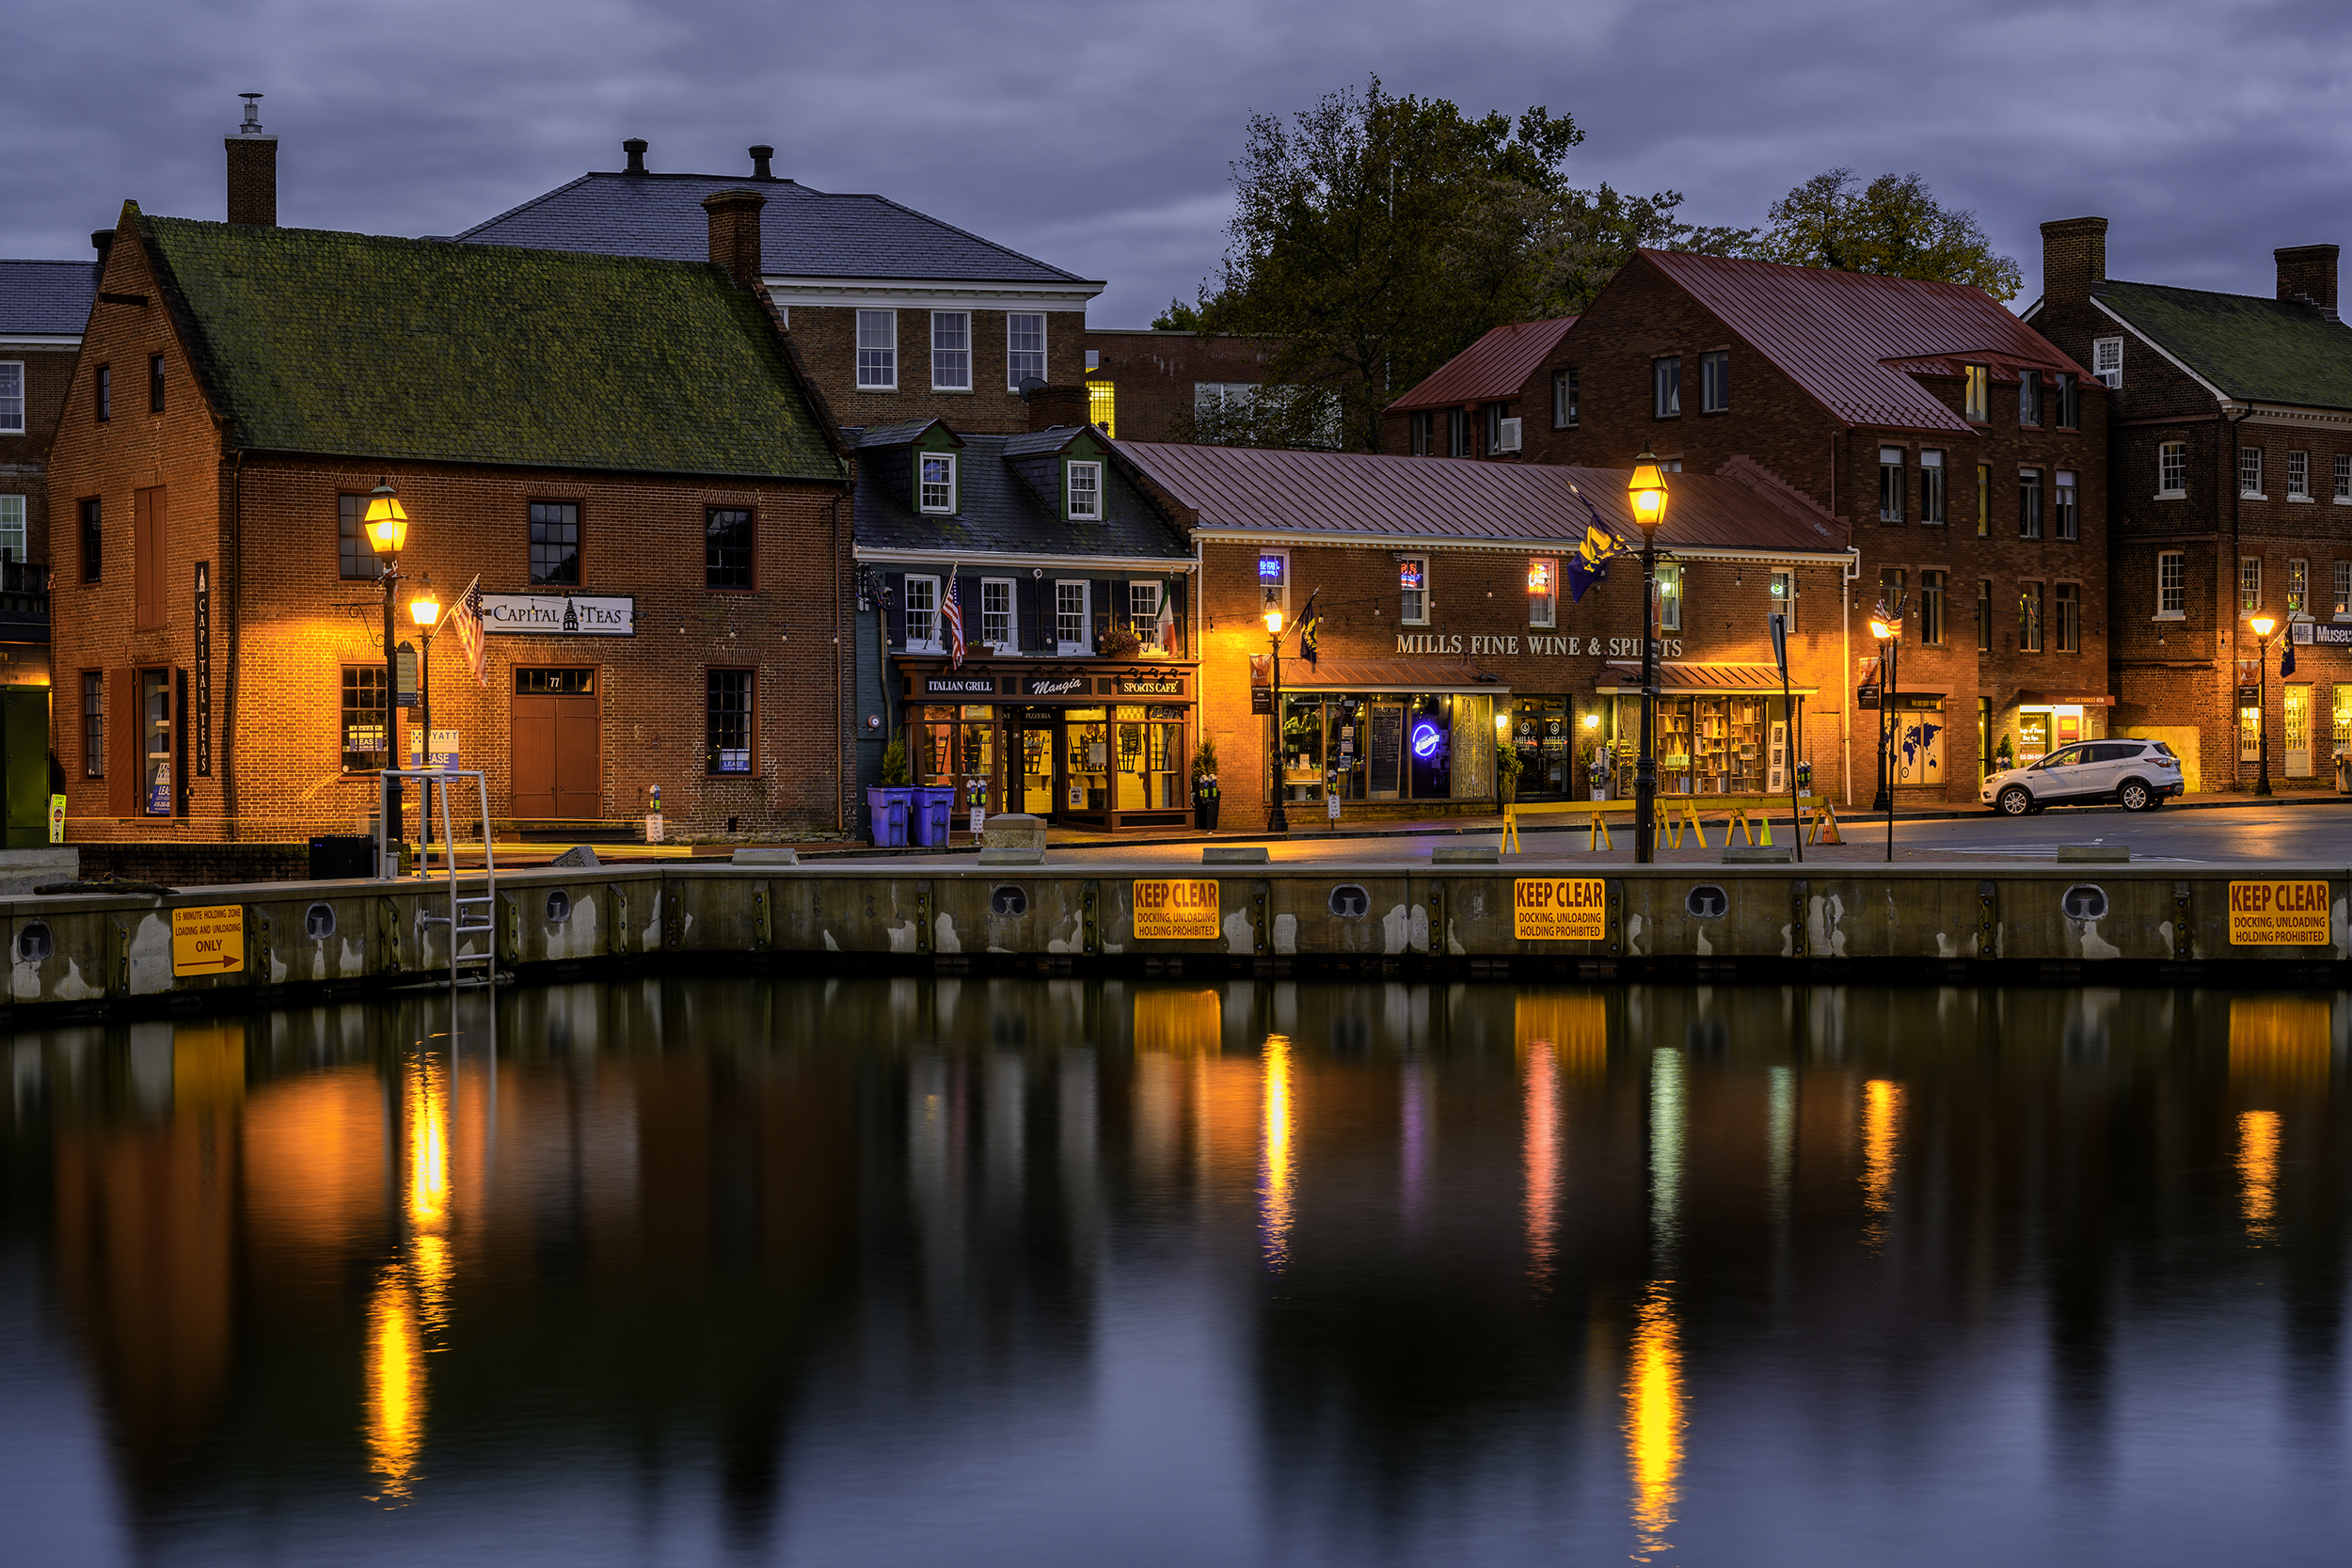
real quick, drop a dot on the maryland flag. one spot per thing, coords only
(1590, 563)
(1310, 632)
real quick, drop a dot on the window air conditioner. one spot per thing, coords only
(1506, 436)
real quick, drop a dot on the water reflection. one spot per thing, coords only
(892, 1271)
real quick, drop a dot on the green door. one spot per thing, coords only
(24, 764)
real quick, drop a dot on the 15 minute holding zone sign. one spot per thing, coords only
(1560, 909)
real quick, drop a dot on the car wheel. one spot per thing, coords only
(2014, 801)
(2135, 796)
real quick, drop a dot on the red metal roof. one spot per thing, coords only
(1835, 333)
(1490, 369)
(1682, 678)
(1253, 490)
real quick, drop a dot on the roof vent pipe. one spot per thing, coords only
(759, 162)
(635, 148)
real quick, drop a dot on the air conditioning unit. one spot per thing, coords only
(1506, 436)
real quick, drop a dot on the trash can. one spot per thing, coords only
(1204, 799)
(338, 855)
(935, 809)
(888, 808)
(2344, 773)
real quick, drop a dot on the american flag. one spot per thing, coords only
(953, 612)
(465, 619)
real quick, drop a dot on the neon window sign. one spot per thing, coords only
(1270, 570)
(1408, 576)
(1539, 577)
(1426, 740)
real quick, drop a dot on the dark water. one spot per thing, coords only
(1064, 1273)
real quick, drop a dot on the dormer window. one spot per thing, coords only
(1086, 492)
(936, 481)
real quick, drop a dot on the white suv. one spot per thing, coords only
(2138, 775)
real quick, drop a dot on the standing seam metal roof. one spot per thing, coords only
(1494, 368)
(1834, 332)
(803, 232)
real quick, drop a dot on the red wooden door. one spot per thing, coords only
(554, 752)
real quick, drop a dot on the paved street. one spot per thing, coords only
(2304, 833)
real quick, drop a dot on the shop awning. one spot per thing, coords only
(1677, 680)
(1385, 674)
(2062, 699)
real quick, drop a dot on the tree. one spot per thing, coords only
(1593, 233)
(1178, 317)
(1892, 226)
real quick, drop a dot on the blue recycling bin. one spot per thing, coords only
(935, 809)
(889, 809)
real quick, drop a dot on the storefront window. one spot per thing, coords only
(155, 713)
(1381, 747)
(1086, 759)
(1539, 733)
(1151, 758)
(1429, 741)
(1917, 742)
(1705, 745)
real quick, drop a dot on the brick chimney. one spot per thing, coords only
(2308, 272)
(635, 148)
(1050, 407)
(735, 234)
(760, 155)
(2074, 259)
(103, 242)
(252, 169)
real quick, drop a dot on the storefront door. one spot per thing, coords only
(2298, 728)
(555, 757)
(1030, 762)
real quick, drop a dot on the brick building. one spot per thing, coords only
(2230, 462)
(1495, 399)
(1074, 697)
(1960, 453)
(619, 448)
(896, 316)
(1443, 630)
(1142, 382)
(43, 305)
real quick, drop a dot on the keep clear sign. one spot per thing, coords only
(1560, 909)
(208, 940)
(2279, 914)
(1176, 911)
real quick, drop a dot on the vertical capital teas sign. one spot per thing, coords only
(1176, 910)
(2279, 914)
(1560, 909)
(208, 940)
(201, 734)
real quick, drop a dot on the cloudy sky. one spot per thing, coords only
(1097, 136)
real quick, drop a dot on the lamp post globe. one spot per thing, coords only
(2262, 627)
(386, 524)
(1886, 631)
(1645, 491)
(1279, 819)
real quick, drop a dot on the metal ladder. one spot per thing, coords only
(469, 915)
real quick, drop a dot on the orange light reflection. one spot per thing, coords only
(2258, 1169)
(1653, 1421)
(1540, 1120)
(1275, 1173)
(410, 1304)
(1882, 1111)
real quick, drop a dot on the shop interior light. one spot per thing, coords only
(386, 523)
(1592, 720)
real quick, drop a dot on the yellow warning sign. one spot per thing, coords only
(2279, 914)
(1560, 909)
(1176, 910)
(208, 940)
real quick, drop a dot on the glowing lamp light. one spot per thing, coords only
(386, 524)
(1274, 621)
(1502, 723)
(2262, 626)
(1882, 629)
(424, 609)
(1646, 491)
(1592, 720)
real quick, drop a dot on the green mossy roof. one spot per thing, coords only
(2258, 350)
(312, 341)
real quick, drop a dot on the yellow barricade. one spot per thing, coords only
(1825, 825)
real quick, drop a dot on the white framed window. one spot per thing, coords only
(1665, 382)
(951, 351)
(2106, 360)
(2172, 470)
(1071, 635)
(11, 397)
(1086, 491)
(1412, 588)
(2064, 511)
(1932, 488)
(1891, 484)
(2343, 480)
(2029, 504)
(998, 627)
(1564, 399)
(2344, 590)
(922, 612)
(1025, 347)
(936, 481)
(2298, 476)
(877, 350)
(12, 527)
(1715, 382)
(1543, 591)
(2029, 397)
(1143, 613)
(1669, 598)
(2298, 588)
(2249, 473)
(2250, 584)
(2171, 585)
(1274, 581)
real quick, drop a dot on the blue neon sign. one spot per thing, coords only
(1425, 739)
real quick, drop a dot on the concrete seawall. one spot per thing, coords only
(276, 944)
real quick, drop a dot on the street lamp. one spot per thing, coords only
(2262, 627)
(1279, 821)
(425, 611)
(1646, 491)
(1886, 626)
(386, 524)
